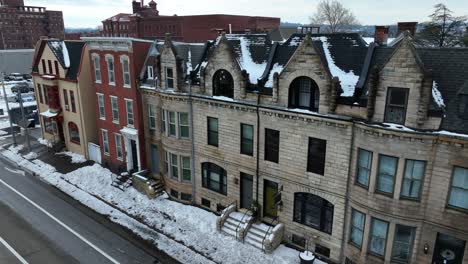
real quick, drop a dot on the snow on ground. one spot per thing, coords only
(75, 158)
(188, 233)
(348, 79)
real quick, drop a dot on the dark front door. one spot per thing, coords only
(134, 155)
(154, 159)
(60, 131)
(246, 190)
(448, 250)
(270, 189)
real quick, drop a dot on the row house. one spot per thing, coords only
(356, 151)
(116, 65)
(65, 94)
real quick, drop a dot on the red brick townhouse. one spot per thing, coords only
(115, 65)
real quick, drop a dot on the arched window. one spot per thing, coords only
(223, 84)
(314, 211)
(214, 178)
(74, 133)
(304, 94)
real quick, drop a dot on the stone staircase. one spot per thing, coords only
(122, 181)
(256, 233)
(234, 222)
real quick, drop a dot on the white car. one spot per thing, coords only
(16, 76)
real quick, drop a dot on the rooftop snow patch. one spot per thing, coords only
(276, 69)
(437, 95)
(348, 79)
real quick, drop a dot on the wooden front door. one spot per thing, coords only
(246, 191)
(270, 189)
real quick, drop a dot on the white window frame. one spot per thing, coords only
(172, 123)
(179, 128)
(97, 67)
(182, 168)
(150, 73)
(174, 165)
(105, 142)
(164, 122)
(151, 117)
(109, 71)
(116, 113)
(125, 60)
(102, 114)
(130, 113)
(118, 146)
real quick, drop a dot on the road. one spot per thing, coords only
(39, 224)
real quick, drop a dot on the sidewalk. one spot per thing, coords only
(185, 232)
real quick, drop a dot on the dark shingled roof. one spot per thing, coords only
(75, 50)
(259, 46)
(281, 33)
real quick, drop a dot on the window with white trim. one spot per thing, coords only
(152, 117)
(172, 124)
(150, 73)
(102, 109)
(125, 70)
(118, 146)
(110, 69)
(186, 174)
(163, 121)
(115, 109)
(105, 142)
(97, 68)
(130, 116)
(174, 167)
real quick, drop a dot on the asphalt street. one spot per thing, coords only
(39, 224)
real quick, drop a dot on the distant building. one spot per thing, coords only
(22, 26)
(79, 35)
(17, 60)
(146, 23)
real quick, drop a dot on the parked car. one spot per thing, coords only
(27, 97)
(7, 78)
(22, 88)
(27, 76)
(16, 76)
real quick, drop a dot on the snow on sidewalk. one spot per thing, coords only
(193, 227)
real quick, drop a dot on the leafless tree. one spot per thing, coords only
(333, 14)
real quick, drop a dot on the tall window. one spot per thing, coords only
(74, 133)
(214, 178)
(412, 179)
(395, 111)
(463, 106)
(46, 94)
(358, 222)
(97, 68)
(174, 167)
(186, 176)
(72, 101)
(152, 117)
(105, 142)
(223, 84)
(364, 165)
(115, 109)
(39, 90)
(110, 69)
(172, 124)
(150, 73)
(247, 137)
(118, 146)
(57, 72)
(272, 138)
(459, 190)
(166, 162)
(386, 174)
(130, 116)
(126, 71)
(403, 243)
(313, 211)
(163, 121)
(316, 155)
(378, 237)
(212, 131)
(65, 99)
(49, 62)
(169, 78)
(44, 68)
(102, 109)
(183, 125)
(304, 94)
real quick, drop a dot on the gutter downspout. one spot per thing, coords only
(348, 182)
(258, 145)
(192, 135)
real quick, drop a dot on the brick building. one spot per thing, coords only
(22, 26)
(359, 151)
(116, 65)
(145, 22)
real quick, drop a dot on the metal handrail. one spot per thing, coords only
(268, 231)
(237, 228)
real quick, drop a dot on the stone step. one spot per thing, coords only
(254, 237)
(232, 221)
(230, 226)
(240, 217)
(228, 231)
(253, 243)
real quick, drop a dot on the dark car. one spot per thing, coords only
(27, 76)
(21, 87)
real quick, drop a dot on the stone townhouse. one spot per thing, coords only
(116, 65)
(65, 94)
(357, 152)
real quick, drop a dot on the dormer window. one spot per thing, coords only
(304, 94)
(463, 106)
(397, 100)
(169, 78)
(223, 84)
(150, 73)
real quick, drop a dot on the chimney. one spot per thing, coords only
(135, 6)
(381, 35)
(407, 26)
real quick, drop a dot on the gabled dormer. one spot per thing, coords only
(169, 66)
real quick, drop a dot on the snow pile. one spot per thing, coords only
(246, 62)
(31, 156)
(75, 158)
(296, 41)
(348, 79)
(437, 95)
(223, 98)
(275, 69)
(44, 142)
(185, 232)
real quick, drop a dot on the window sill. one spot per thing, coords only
(365, 187)
(116, 122)
(102, 118)
(106, 154)
(354, 245)
(308, 226)
(112, 84)
(389, 195)
(249, 155)
(127, 86)
(457, 209)
(410, 199)
(120, 159)
(375, 255)
(98, 82)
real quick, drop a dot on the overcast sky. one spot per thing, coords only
(90, 13)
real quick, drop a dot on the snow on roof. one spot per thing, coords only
(437, 95)
(247, 63)
(296, 41)
(66, 57)
(189, 62)
(369, 40)
(129, 131)
(348, 79)
(48, 114)
(277, 68)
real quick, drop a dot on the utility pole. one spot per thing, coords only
(2, 75)
(24, 120)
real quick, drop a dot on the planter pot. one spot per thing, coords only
(307, 257)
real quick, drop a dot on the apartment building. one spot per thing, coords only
(359, 151)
